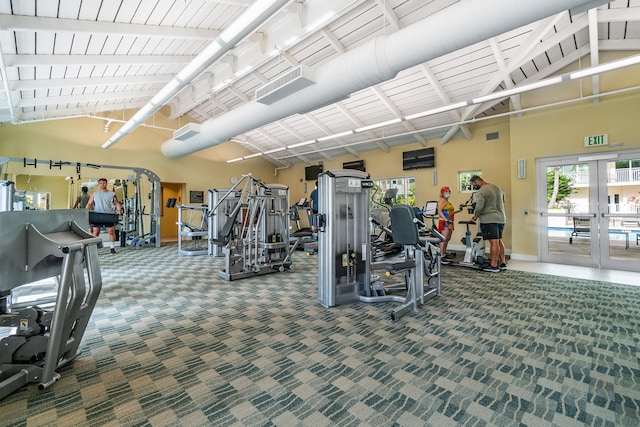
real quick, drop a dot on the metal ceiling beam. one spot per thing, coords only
(13, 60)
(240, 94)
(297, 135)
(221, 105)
(61, 25)
(444, 97)
(398, 114)
(248, 22)
(389, 14)
(594, 50)
(535, 43)
(625, 14)
(504, 72)
(82, 98)
(609, 45)
(328, 132)
(479, 119)
(277, 143)
(333, 40)
(464, 23)
(358, 123)
(538, 45)
(292, 8)
(541, 46)
(7, 89)
(84, 82)
(65, 113)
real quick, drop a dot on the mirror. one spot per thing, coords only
(52, 185)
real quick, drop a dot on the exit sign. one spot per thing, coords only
(595, 141)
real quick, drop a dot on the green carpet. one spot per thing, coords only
(171, 344)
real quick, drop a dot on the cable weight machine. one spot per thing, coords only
(256, 230)
(344, 256)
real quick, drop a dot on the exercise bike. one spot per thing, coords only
(474, 254)
(382, 244)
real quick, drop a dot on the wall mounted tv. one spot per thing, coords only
(356, 164)
(311, 172)
(418, 159)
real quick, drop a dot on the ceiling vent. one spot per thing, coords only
(293, 81)
(492, 136)
(187, 131)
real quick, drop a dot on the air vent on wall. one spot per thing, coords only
(186, 131)
(293, 81)
(493, 135)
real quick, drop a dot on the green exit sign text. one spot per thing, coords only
(596, 140)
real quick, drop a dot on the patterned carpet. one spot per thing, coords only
(171, 344)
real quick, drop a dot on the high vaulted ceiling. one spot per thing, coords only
(100, 58)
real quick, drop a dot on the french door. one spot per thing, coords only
(590, 210)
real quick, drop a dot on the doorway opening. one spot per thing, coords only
(590, 210)
(171, 197)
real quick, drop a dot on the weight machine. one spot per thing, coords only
(344, 260)
(258, 236)
(134, 229)
(421, 259)
(192, 229)
(220, 227)
(37, 245)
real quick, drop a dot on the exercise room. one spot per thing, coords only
(319, 212)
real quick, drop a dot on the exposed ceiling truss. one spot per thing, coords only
(71, 58)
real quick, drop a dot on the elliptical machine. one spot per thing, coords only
(474, 255)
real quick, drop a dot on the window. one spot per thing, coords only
(463, 180)
(393, 191)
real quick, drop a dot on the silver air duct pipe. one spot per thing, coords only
(458, 26)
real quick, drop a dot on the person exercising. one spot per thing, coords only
(313, 203)
(82, 199)
(446, 213)
(105, 201)
(490, 210)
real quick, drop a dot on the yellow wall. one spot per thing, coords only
(80, 140)
(458, 155)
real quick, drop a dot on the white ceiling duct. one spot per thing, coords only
(458, 26)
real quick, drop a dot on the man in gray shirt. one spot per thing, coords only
(489, 210)
(105, 201)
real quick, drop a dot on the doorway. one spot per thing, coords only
(169, 211)
(590, 210)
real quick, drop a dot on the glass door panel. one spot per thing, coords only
(565, 204)
(590, 210)
(621, 217)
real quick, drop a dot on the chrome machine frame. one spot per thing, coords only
(219, 227)
(344, 260)
(38, 245)
(343, 236)
(259, 243)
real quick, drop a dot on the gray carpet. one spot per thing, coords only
(171, 344)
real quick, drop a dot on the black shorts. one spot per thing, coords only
(491, 231)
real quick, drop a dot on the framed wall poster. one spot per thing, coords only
(196, 197)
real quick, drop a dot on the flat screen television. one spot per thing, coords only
(418, 159)
(311, 172)
(356, 164)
